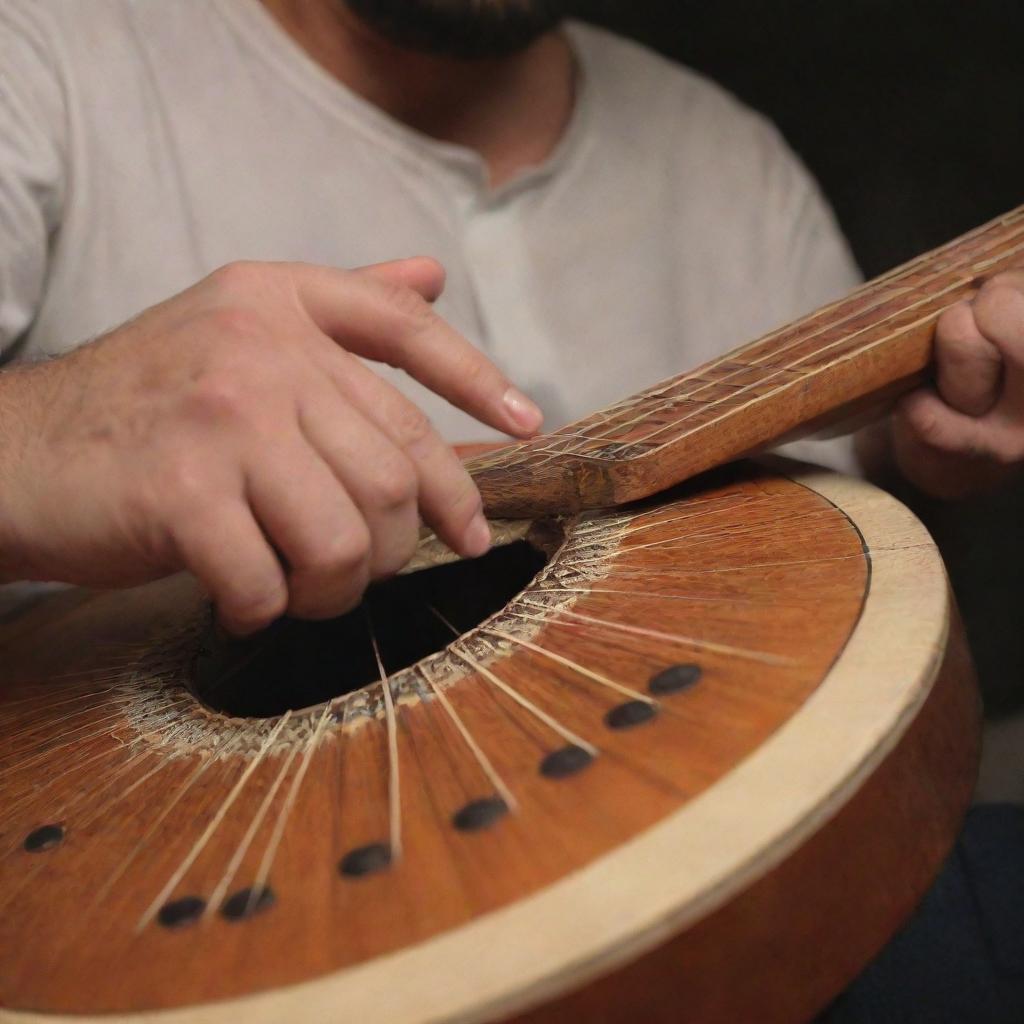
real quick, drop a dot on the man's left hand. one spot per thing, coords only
(965, 435)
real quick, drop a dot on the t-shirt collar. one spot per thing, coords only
(251, 20)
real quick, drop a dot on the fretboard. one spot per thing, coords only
(870, 346)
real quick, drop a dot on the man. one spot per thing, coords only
(605, 219)
(580, 191)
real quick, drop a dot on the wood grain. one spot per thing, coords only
(802, 933)
(764, 578)
(874, 344)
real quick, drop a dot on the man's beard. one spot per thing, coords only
(463, 28)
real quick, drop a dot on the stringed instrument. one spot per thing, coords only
(671, 751)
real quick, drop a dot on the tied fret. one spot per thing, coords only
(860, 351)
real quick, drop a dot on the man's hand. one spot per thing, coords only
(967, 435)
(232, 431)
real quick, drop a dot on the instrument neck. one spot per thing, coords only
(871, 345)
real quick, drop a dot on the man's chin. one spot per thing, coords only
(466, 29)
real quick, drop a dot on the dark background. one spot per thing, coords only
(911, 115)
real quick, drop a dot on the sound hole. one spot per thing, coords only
(295, 664)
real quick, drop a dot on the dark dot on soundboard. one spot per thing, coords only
(46, 837)
(567, 761)
(365, 860)
(633, 712)
(674, 679)
(480, 814)
(179, 913)
(247, 902)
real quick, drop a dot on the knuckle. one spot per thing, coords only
(395, 485)
(239, 275)
(411, 306)
(346, 551)
(219, 396)
(333, 582)
(182, 482)
(411, 424)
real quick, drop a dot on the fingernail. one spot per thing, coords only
(525, 414)
(477, 540)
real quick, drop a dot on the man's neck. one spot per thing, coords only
(512, 110)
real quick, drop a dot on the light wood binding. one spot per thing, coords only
(868, 347)
(833, 732)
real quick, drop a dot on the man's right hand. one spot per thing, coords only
(232, 431)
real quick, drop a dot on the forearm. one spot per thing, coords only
(19, 393)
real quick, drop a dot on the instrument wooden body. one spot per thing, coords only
(700, 769)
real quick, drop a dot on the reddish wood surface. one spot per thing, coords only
(800, 934)
(877, 341)
(754, 563)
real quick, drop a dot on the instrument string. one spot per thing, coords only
(51, 723)
(626, 572)
(872, 291)
(44, 701)
(837, 530)
(552, 723)
(482, 759)
(206, 761)
(61, 681)
(394, 782)
(13, 810)
(211, 828)
(284, 815)
(75, 768)
(11, 708)
(875, 288)
(28, 878)
(522, 701)
(729, 401)
(43, 755)
(560, 659)
(659, 595)
(222, 886)
(105, 808)
(798, 366)
(652, 634)
(637, 520)
(667, 521)
(90, 797)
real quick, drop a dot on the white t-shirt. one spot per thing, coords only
(143, 143)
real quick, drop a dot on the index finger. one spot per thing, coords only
(392, 323)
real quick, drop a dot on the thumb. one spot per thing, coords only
(421, 273)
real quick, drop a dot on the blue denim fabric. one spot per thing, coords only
(960, 959)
